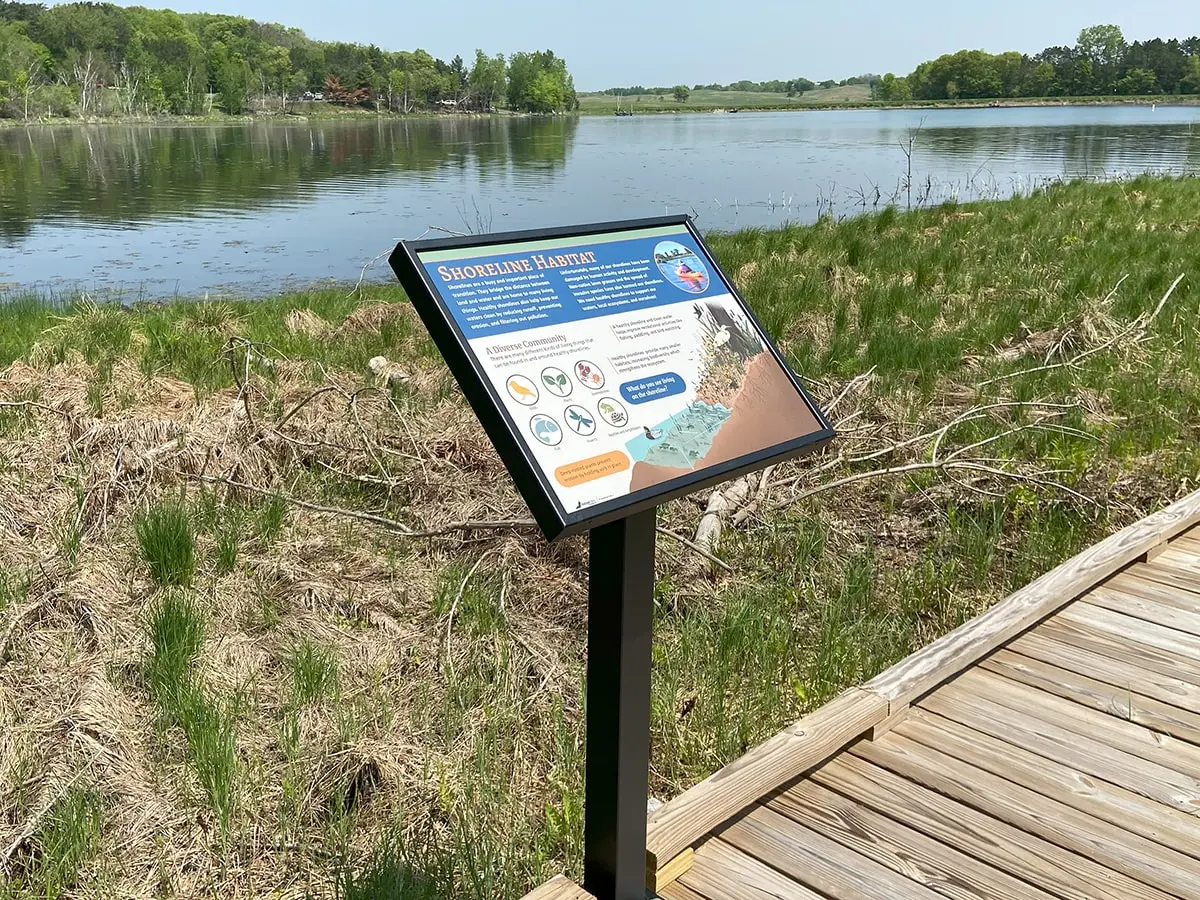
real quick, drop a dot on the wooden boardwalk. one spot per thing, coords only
(1048, 749)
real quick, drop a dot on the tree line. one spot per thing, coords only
(793, 87)
(1101, 64)
(90, 59)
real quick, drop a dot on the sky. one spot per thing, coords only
(625, 42)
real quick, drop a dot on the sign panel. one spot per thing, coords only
(614, 366)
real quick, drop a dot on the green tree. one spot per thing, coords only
(24, 67)
(486, 80)
(1104, 46)
(681, 93)
(1138, 82)
(892, 89)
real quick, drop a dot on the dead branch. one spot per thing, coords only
(1135, 332)
(719, 563)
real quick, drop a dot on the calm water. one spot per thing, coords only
(154, 211)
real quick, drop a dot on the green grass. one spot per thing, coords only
(705, 100)
(314, 672)
(167, 544)
(49, 865)
(176, 628)
(471, 666)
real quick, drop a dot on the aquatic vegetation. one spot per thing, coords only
(371, 656)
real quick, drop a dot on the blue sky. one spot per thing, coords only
(631, 41)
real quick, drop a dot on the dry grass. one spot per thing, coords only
(401, 680)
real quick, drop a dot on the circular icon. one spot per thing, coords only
(682, 267)
(522, 390)
(589, 375)
(580, 421)
(612, 412)
(556, 381)
(546, 430)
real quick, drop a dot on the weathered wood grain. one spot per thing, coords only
(1126, 703)
(1130, 627)
(1114, 804)
(818, 863)
(677, 891)
(1130, 601)
(904, 850)
(1121, 647)
(559, 888)
(722, 872)
(1120, 673)
(1105, 844)
(1133, 581)
(1167, 574)
(1091, 742)
(945, 657)
(691, 815)
(988, 839)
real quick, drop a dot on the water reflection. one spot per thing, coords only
(137, 173)
(250, 208)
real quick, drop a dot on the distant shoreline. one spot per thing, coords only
(666, 108)
(590, 111)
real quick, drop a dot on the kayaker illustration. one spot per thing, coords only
(697, 280)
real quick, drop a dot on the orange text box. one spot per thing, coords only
(577, 473)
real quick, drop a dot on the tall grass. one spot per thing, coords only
(176, 629)
(49, 865)
(168, 546)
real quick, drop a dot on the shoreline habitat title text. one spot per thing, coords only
(515, 266)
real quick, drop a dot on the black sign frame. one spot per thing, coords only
(554, 520)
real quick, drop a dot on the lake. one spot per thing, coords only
(159, 210)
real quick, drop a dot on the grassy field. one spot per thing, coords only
(219, 678)
(703, 101)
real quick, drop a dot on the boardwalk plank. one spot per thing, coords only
(722, 872)
(1127, 600)
(902, 849)
(685, 819)
(1124, 703)
(815, 861)
(1113, 803)
(676, 890)
(1165, 573)
(1133, 581)
(1122, 648)
(1168, 639)
(1106, 844)
(559, 888)
(991, 840)
(1119, 673)
(1071, 746)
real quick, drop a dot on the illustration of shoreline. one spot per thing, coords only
(766, 411)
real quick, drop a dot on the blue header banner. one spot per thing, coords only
(519, 289)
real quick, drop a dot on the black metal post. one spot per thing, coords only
(620, 615)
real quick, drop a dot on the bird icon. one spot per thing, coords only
(521, 391)
(721, 338)
(652, 434)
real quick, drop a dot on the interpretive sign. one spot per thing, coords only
(614, 366)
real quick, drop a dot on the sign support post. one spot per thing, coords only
(620, 617)
(615, 367)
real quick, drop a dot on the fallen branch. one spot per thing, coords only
(1139, 326)
(382, 521)
(719, 563)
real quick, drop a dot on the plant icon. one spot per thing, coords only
(556, 381)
